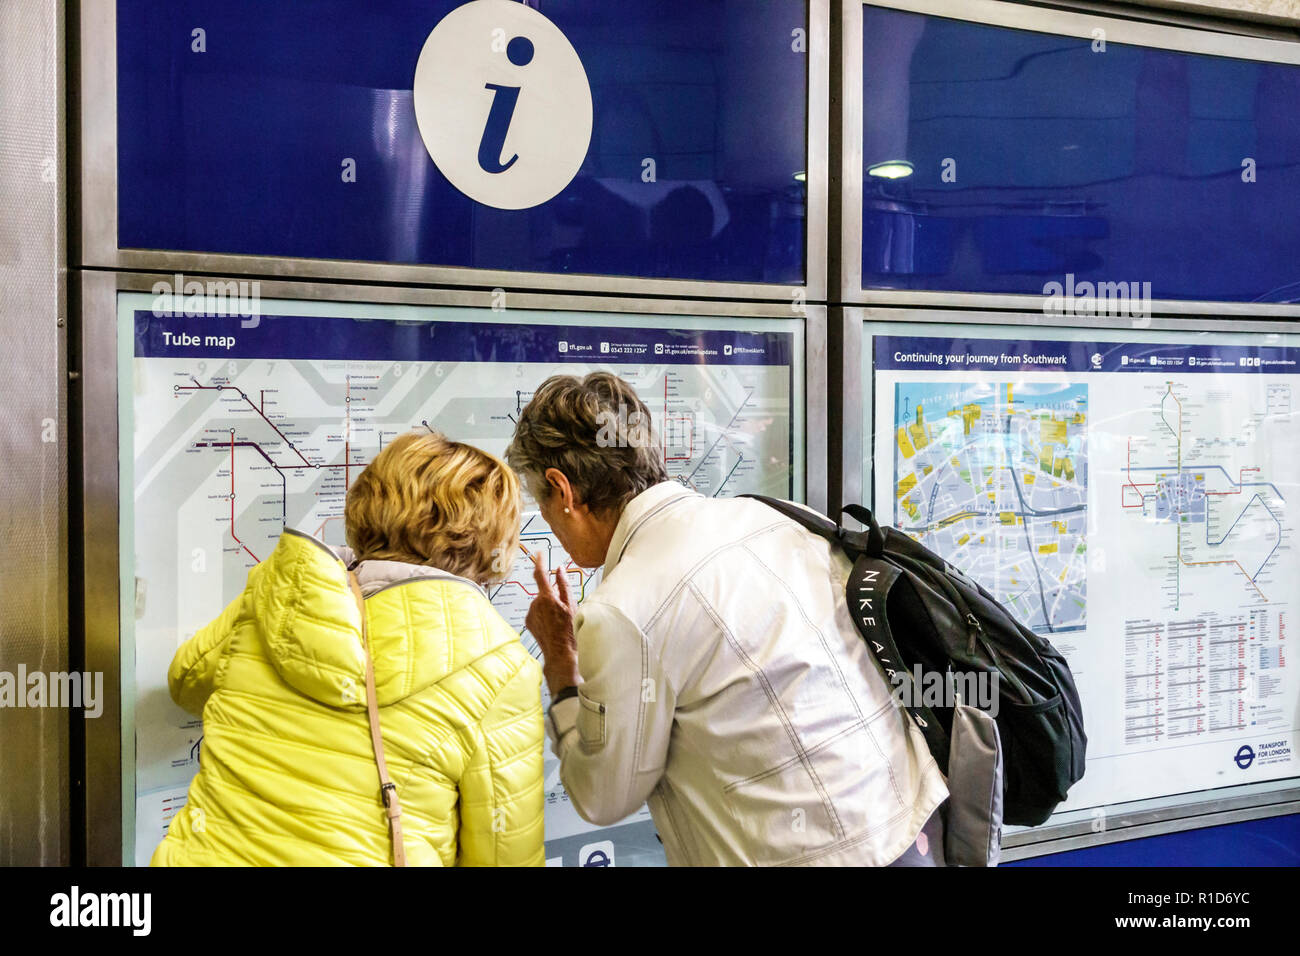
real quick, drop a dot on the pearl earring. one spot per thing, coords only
(566, 511)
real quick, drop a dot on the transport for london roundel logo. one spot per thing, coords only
(503, 104)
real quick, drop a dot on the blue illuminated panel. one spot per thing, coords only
(238, 149)
(1274, 841)
(1124, 165)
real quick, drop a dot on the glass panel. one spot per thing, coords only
(257, 417)
(694, 169)
(1128, 495)
(1038, 159)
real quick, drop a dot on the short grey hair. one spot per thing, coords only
(595, 430)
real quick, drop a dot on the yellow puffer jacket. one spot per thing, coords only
(288, 772)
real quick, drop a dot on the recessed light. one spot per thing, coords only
(893, 169)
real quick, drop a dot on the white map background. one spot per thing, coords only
(1184, 646)
(227, 452)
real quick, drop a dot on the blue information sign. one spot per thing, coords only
(662, 140)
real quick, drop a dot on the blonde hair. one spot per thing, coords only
(427, 500)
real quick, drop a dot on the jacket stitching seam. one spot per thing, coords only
(510, 795)
(295, 574)
(474, 726)
(689, 577)
(821, 636)
(495, 779)
(406, 640)
(295, 706)
(316, 662)
(646, 517)
(665, 792)
(360, 853)
(821, 639)
(493, 776)
(517, 718)
(246, 732)
(222, 649)
(641, 708)
(447, 628)
(850, 842)
(775, 703)
(786, 764)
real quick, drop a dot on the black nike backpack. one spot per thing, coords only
(914, 609)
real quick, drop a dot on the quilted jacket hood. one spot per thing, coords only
(308, 620)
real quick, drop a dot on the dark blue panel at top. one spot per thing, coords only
(1117, 165)
(239, 149)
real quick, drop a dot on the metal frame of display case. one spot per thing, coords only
(1131, 24)
(35, 785)
(833, 342)
(98, 537)
(847, 206)
(1076, 829)
(98, 225)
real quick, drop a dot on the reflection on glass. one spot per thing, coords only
(699, 129)
(1040, 158)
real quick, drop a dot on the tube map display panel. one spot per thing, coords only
(243, 427)
(1134, 503)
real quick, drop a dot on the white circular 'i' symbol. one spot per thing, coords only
(508, 123)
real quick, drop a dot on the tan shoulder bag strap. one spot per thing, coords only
(387, 789)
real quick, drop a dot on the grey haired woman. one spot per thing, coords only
(715, 671)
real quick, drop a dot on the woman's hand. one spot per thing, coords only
(550, 621)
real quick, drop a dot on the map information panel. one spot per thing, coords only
(994, 475)
(241, 429)
(1134, 503)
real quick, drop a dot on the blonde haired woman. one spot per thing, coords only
(289, 771)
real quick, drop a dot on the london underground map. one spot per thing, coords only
(1191, 469)
(240, 432)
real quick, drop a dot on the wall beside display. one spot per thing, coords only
(36, 633)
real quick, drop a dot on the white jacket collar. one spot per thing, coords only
(639, 510)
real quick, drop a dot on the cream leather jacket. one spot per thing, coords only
(724, 682)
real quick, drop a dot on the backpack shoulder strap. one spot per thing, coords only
(871, 542)
(814, 522)
(875, 544)
(867, 592)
